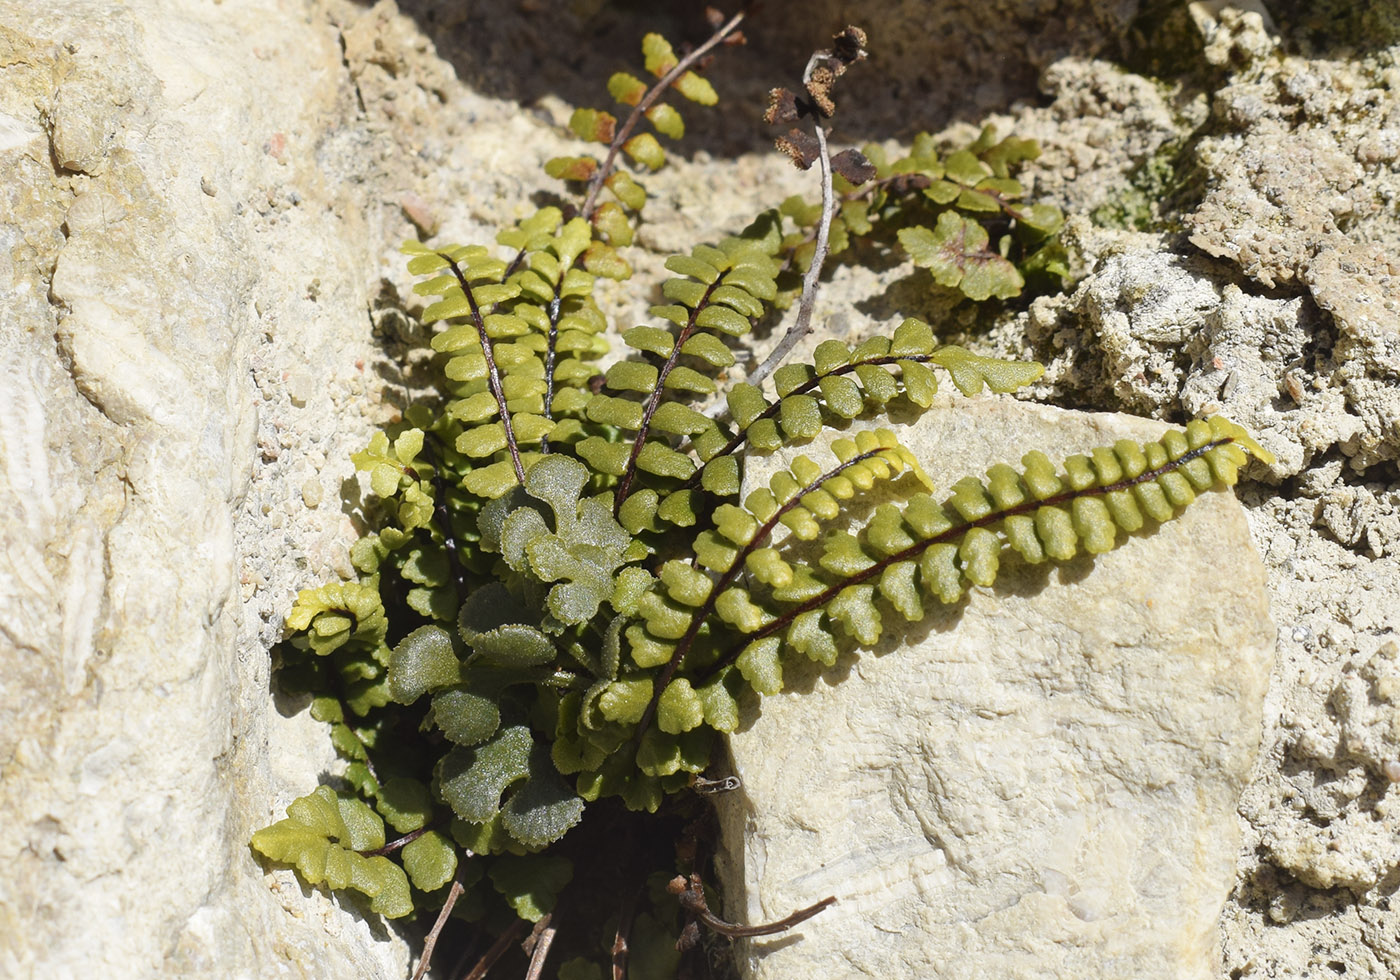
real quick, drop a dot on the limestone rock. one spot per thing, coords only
(1039, 782)
(155, 157)
(1340, 825)
(1296, 192)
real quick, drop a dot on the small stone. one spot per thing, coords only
(421, 213)
(300, 387)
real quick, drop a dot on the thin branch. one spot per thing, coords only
(497, 950)
(428, 944)
(540, 940)
(394, 845)
(493, 374)
(691, 894)
(595, 184)
(620, 948)
(712, 787)
(810, 282)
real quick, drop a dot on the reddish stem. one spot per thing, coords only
(595, 184)
(493, 374)
(630, 472)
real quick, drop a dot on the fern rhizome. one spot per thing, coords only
(569, 597)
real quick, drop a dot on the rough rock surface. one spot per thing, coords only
(1041, 781)
(153, 166)
(204, 316)
(1279, 309)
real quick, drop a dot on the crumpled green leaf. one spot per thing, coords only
(494, 622)
(466, 717)
(541, 811)
(430, 860)
(337, 614)
(472, 780)
(323, 835)
(582, 552)
(956, 253)
(404, 803)
(423, 661)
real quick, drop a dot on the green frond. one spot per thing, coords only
(531, 886)
(539, 327)
(944, 212)
(717, 291)
(956, 252)
(935, 550)
(323, 836)
(844, 383)
(340, 614)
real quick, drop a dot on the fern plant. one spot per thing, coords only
(572, 595)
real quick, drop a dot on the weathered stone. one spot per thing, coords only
(1041, 781)
(138, 275)
(1343, 827)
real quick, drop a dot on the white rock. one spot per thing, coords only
(134, 728)
(1333, 821)
(1039, 783)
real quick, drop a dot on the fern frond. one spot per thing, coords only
(716, 294)
(326, 836)
(844, 383)
(396, 472)
(673, 73)
(482, 347)
(340, 614)
(556, 301)
(523, 354)
(936, 550)
(963, 216)
(799, 499)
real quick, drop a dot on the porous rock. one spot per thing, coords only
(1339, 825)
(1041, 781)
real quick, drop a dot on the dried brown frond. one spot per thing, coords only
(849, 45)
(819, 88)
(782, 107)
(801, 147)
(853, 165)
